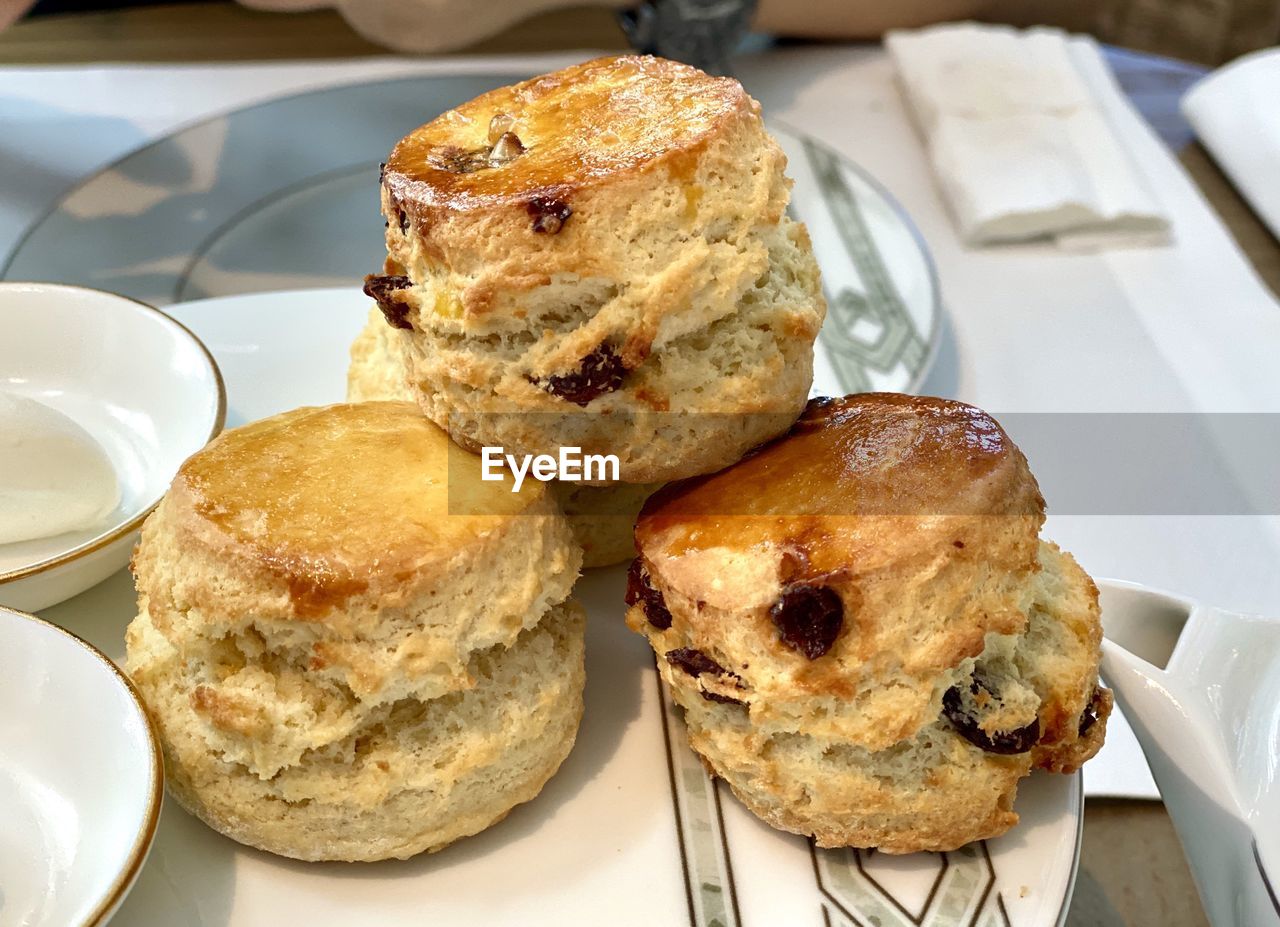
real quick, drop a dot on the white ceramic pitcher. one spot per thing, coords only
(1201, 689)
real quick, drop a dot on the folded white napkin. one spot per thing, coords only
(1236, 114)
(1018, 141)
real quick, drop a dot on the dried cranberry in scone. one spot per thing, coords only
(809, 618)
(600, 372)
(641, 591)
(385, 290)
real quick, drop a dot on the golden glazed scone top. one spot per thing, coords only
(917, 460)
(858, 558)
(596, 120)
(338, 498)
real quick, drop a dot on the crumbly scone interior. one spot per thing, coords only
(741, 372)
(873, 768)
(376, 646)
(307, 738)
(724, 338)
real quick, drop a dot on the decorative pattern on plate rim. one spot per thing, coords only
(895, 340)
(704, 848)
(962, 895)
(963, 892)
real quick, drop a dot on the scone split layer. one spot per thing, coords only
(393, 779)
(870, 641)
(307, 598)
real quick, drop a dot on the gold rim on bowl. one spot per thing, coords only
(146, 834)
(132, 524)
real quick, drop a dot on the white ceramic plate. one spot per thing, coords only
(139, 383)
(284, 194)
(630, 832)
(80, 779)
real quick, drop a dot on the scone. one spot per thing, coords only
(602, 517)
(601, 258)
(353, 648)
(378, 369)
(870, 641)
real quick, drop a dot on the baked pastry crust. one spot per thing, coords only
(330, 506)
(340, 500)
(603, 518)
(582, 127)
(348, 527)
(919, 512)
(871, 642)
(667, 310)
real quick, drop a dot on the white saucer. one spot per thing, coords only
(81, 778)
(142, 386)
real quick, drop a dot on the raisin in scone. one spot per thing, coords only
(601, 258)
(342, 663)
(871, 643)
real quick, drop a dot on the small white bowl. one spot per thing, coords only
(81, 778)
(139, 382)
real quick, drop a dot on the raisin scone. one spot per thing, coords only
(871, 643)
(342, 664)
(601, 258)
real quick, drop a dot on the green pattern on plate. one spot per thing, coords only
(872, 329)
(962, 895)
(708, 869)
